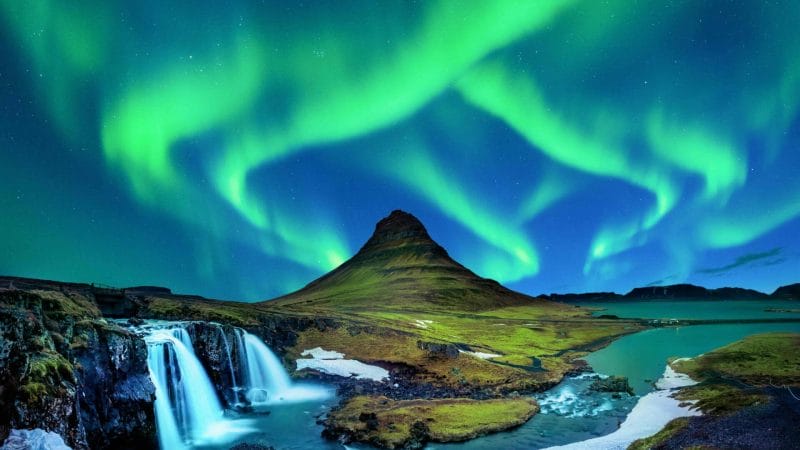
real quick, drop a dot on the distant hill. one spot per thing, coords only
(401, 267)
(791, 291)
(680, 292)
(690, 291)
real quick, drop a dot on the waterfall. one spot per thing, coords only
(234, 386)
(266, 376)
(188, 411)
(267, 381)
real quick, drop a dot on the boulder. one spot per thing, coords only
(612, 384)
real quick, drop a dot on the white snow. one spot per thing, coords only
(648, 417)
(672, 379)
(333, 363)
(480, 355)
(319, 353)
(422, 323)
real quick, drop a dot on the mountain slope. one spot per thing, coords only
(401, 267)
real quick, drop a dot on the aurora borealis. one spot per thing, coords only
(241, 151)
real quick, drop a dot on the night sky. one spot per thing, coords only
(240, 151)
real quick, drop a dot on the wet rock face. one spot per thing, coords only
(65, 370)
(219, 350)
(116, 396)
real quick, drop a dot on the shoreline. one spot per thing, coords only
(650, 415)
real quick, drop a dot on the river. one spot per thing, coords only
(570, 412)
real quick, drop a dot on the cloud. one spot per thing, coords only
(747, 260)
(662, 281)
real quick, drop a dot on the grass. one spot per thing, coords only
(757, 360)
(234, 313)
(731, 378)
(671, 429)
(720, 399)
(393, 424)
(44, 375)
(392, 336)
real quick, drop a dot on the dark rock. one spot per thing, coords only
(64, 369)
(251, 446)
(439, 350)
(420, 433)
(612, 384)
(135, 321)
(370, 419)
(219, 350)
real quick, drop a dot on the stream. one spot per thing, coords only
(570, 412)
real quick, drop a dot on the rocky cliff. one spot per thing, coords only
(67, 370)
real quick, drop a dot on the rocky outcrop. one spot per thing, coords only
(614, 384)
(438, 350)
(65, 369)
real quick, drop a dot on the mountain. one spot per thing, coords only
(791, 291)
(692, 292)
(401, 267)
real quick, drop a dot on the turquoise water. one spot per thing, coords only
(641, 357)
(698, 309)
(287, 427)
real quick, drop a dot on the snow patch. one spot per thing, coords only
(672, 379)
(422, 323)
(333, 363)
(319, 353)
(651, 413)
(480, 355)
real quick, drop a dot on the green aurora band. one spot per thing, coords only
(198, 124)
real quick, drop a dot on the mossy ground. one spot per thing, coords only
(732, 378)
(233, 313)
(720, 398)
(393, 424)
(44, 375)
(757, 360)
(536, 345)
(673, 427)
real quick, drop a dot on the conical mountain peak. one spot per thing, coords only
(402, 266)
(396, 229)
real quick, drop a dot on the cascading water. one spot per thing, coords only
(267, 381)
(188, 409)
(266, 377)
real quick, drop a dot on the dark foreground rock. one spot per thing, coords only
(66, 370)
(769, 426)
